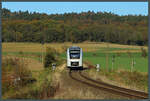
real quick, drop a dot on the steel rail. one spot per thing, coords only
(138, 93)
(108, 89)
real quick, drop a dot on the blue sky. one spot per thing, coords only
(120, 8)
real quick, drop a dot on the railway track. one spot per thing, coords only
(109, 88)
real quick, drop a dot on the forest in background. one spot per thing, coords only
(23, 26)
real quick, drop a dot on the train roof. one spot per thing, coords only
(74, 48)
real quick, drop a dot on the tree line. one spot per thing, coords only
(74, 27)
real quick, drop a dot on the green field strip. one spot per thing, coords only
(123, 61)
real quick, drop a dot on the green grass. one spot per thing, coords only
(122, 60)
(111, 49)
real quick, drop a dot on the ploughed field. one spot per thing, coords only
(109, 56)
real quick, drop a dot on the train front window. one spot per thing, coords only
(74, 55)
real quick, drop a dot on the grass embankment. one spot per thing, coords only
(123, 78)
(15, 76)
(34, 83)
(42, 87)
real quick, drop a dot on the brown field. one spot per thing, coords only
(60, 47)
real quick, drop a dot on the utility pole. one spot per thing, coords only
(42, 52)
(113, 60)
(43, 41)
(132, 64)
(107, 59)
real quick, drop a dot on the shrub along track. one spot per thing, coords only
(109, 88)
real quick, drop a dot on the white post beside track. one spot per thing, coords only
(97, 67)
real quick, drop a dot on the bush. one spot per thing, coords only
(118, 54)
(21, 52)
(50, 57)
(12, 68)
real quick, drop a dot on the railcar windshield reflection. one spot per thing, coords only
(74, 55)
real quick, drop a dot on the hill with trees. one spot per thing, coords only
(74, 27)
